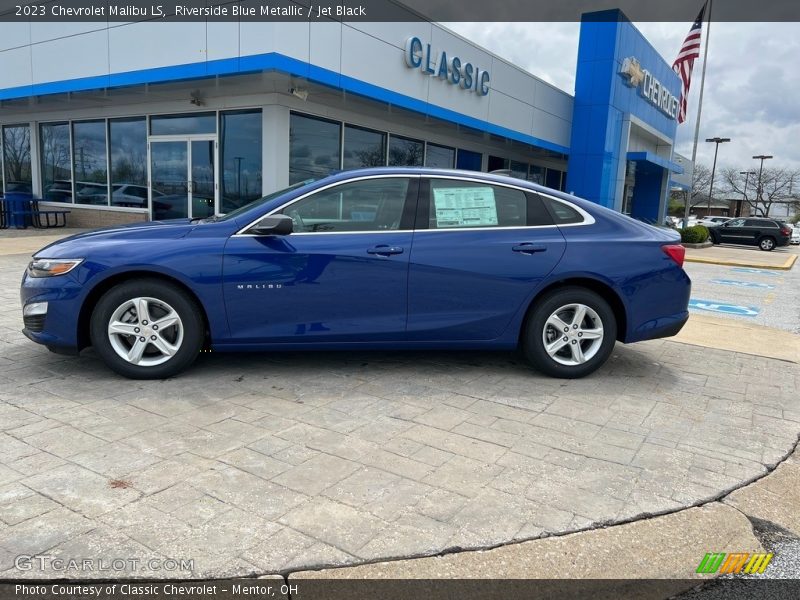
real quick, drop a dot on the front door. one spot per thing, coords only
(183, 179)
(340, 277)
(735, 232)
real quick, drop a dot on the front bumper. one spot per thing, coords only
(57, 328)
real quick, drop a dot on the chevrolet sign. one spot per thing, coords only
(649, 87)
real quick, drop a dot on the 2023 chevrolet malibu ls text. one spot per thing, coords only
(389, 258)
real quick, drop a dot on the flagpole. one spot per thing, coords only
(697, 122)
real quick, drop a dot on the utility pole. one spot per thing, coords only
(744, 192)
(760, 189)
(717, 141)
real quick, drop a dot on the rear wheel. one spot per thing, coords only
(766, 243)
(570, 333)
(147, 329)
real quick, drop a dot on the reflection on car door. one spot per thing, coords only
(479, 251)
(340, 277)
(734, 232)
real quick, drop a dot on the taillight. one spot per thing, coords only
(786, 231)
(676, 252)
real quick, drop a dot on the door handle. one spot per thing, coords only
(528, 248)
(385, 250)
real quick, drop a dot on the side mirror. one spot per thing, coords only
(273, 225)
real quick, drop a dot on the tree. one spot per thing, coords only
(701, 183)
(776, 185)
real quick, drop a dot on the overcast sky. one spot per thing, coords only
(752, 80)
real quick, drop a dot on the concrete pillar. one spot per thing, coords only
(275, 148)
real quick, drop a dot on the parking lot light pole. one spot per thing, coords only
(717, 141)
(759, 189)
(744, 191)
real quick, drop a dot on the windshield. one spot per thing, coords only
(258, 202)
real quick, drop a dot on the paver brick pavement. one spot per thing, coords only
(274, 462)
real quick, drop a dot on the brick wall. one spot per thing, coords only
(91, 217)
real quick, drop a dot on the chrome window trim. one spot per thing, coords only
(588, 218)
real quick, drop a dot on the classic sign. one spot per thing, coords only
(437, 64)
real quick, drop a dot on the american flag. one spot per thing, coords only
(685, 62)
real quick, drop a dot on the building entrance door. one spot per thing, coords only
(183, 177)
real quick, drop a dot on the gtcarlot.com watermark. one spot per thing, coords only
(49, 564)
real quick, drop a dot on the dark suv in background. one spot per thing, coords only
(767, 234)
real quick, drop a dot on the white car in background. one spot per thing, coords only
(795, 239)
(712, 221)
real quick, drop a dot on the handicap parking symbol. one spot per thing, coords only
(728, 309)
(746, 284)
(756, 271)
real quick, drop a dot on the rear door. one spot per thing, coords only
(479, 251)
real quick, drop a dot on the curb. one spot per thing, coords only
(737, 263)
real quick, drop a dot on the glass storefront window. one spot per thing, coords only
(89, 162)
(183, 124)
(440, 157)
(405, 152)
(313, 147)
(363, 148)
(56, 172)
(17, 158)
(468, 160)
(240, 158)
(553, 179)
(536, 174)
(519, 169)
(128, 150)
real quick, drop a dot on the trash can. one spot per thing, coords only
(18, 209)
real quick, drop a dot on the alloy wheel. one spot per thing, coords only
(145, 331)
(573, 334)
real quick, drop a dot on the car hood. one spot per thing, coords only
(74, 245)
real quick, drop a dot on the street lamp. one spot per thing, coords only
(744, 192)
(717, 141)
(762, 158)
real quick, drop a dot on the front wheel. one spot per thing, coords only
(147, 329)
(767, 244)
(570, 333)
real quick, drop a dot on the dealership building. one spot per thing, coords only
(149, 120)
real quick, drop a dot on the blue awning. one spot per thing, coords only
(655, 160)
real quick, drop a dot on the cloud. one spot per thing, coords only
(751, 80)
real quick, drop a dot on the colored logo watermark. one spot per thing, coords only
(735, 562)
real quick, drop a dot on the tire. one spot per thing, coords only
(767, 243)
(562, 362)
(152, 354)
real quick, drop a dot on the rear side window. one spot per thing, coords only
(456, 204)
(563, 214)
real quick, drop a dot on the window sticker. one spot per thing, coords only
(465, 207)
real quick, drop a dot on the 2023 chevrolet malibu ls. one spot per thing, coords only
(389, 258)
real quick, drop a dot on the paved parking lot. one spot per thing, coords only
(274, 462)
(768, 297)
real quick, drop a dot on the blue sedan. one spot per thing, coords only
(389, 258)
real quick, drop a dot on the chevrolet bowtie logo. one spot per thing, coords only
(633, 71)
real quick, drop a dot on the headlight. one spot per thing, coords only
(50, 267)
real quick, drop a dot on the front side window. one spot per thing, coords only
(89, 162)
(17, 158)
(736, 223)
(314, 149)
(366, 205)
(56, 172)
(458, 204)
